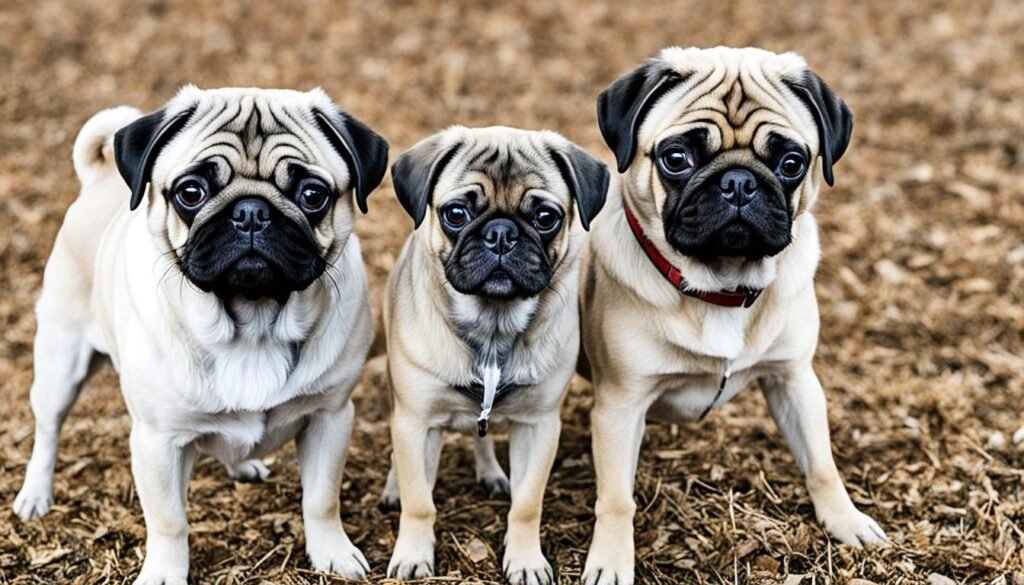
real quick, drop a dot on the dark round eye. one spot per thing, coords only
(546, 219)
(676, 161)
(191, 193)
(313, 195)
(792, 165)
(455, 216)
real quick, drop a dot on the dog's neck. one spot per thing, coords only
(214, 322)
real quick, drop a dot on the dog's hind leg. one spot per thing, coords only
(63, 360)
(248, 471)
(488, 471)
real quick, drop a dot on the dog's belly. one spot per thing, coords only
(236, 436)
(692, 396)
(239, 436)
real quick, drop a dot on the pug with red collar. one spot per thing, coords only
(700, 274)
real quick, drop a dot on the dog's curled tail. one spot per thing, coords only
(94, 147)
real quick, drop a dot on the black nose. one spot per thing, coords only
(738, 186)
(500, 235)
(251, 215)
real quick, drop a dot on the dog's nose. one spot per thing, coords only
(738, 186)
(500, 235)
(251, 215)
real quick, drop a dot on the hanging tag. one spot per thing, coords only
(491, 377)
(726, 372)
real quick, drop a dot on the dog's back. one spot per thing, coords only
(69, 271)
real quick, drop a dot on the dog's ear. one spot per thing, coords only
(622, 107)
(362, 149)
(137, 145)
(416, 171)
(587, 179)
(834, 119)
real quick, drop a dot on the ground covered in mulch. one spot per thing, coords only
(920, 285)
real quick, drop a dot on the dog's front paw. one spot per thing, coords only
(337, 555)
(412, 561)
(608, 562)
(249, 471)
(34, 499)
(532, 569)
(853, 527)
(154, 575)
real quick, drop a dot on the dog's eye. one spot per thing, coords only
(191, 193)
(455, 216)
(676, 162)
(546, 219)
(313, 195)
(792, 166)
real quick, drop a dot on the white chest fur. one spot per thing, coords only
(249, 351)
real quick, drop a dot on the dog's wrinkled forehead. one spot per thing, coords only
(504, 163)
(253, 134)
(506, 166)
(739, 96)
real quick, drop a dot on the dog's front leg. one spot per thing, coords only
(161, 467)
(416, 448)
(531, 449)
(617, 428)
(322, 448)
(797, 403)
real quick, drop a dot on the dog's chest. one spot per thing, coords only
(249, 356)
(502, 362)
(251, 376)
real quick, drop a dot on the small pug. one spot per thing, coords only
(233, 304)
(482, 321)
(700, 276)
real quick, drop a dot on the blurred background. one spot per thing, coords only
(920, 283)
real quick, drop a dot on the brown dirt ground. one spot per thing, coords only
(920, 285)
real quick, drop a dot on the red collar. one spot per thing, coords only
(727, 298)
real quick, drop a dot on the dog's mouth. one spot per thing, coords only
(252, 277)
(499, 278)
(499, 284)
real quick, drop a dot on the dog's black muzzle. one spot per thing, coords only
(501, 259)
(729, 210)
(251, 249)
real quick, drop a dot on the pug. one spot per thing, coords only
(210, 255)
(701, 273)
(482, 324)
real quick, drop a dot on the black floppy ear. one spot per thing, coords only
(587, 179)
(622, 107)
(137, 145)
(362, 149)
(415, 173)
(834, 119)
